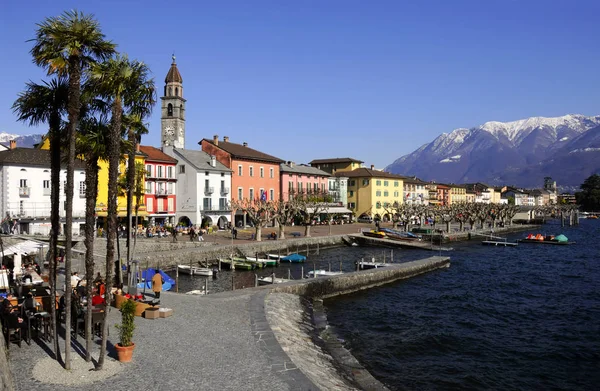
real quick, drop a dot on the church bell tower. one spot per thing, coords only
(172, 120)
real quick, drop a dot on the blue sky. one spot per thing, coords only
(373, 80)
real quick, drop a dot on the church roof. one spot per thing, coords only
(155, 154)
(173, 76)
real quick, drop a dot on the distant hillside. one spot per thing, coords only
(519, 153)
(25, 141)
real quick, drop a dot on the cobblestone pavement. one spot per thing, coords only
(207, 344)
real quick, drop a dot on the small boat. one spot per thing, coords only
(322, 273)
(371, 265)
(147, 275)
(400, 235)
(294, 258)
(239, 263)
(194, 271)
(374, 234)
(263, 261)
(269, 280)
(198, 292)
(548, 239)
(593, 217)
(275, 256)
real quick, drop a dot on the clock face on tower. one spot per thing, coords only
(169, 131)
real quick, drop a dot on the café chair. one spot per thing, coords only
(12, 329)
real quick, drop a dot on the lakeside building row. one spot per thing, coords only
(196, 186)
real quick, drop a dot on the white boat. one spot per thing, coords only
(275, 256)
(371, 265)
(194, 271)
(322, 273)
(269, 280)
(197, 292)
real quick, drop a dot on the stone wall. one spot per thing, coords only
(6, 380)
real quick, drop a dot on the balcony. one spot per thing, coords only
(47, 192)
(224, 190)
(24, 191)
(163, 192)
(209, 190)
(215, 208)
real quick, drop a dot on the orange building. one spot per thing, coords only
(255, 174)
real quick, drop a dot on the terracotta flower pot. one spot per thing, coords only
(124, 352)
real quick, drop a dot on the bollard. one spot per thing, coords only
(329, 265)
(191, 270)
(302, 273)
(232, 264)
(340, 265)
(272, 278)
(255, 280)
(206, 287)
(177, 279)
(232, 283)
(318, 247)
(219, 264)
(289, 274)
(307, 249)
(314, 270)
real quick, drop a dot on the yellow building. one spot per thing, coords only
(336, 164)
(458, 194)
(102, 199)
(371, 191)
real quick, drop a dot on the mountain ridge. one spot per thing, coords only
(516, 152)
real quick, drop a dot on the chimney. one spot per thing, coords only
(245, 144)
(291, 164)
(137, 147)
(216, 139)
(13, 144)
(372, 166)
(213, 160)
(226, 139)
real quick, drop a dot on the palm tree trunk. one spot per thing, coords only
(73, 108)
(91, 192)
(113, 174)
(55, 226)
(130, 184)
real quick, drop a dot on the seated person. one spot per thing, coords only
(30, 304)
(98, 300)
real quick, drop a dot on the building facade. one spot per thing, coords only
(25, 187)
(415, 191)
(338, 189)
(336, 164)
(302, 180)
(160, 185)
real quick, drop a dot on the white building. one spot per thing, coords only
(25, 192)
(203, 188)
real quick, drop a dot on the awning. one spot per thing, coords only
(331, 210)
(123, 214)
(24, 248)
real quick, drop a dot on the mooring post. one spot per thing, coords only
(317, 248)
(176, 278)
(191, 270)
(392, 256)
(232, 282)
(206, 287)
(383, 256)
(302, 273)
(255, 280)
(307, 249)
(219, 264)
(289, 274)
(232, 265)
(314, 270)
(272, 278)
(340, 265)
(329, 265)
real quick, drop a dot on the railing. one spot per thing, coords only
(220, 208)
(24, 191)
(39, 212)
(47, 191)
(224, 190)
(209, 190)
(163, 192)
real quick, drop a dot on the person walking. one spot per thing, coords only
(157, 282)
(174, 233)
(192, 234)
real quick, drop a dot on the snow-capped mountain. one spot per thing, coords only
(519, 152)
(26, 141)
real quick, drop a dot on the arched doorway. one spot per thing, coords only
(223, 223)
(207, 222)
(184, 221)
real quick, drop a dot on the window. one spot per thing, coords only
(148, 187)
(171, 205)
(149, 205)
(271, 173)
(148, 171)
(251, 171)
(378, 193)
(262, 194)
(170, 188)
(262, 172)
(23, 183)
(378, 205)
(222, 174)
(176, 91)
(271, 194)
(240, 170)
(378, 183)
(385, 193)
(395, 183)
(316, 187)
(299, 187)
(222, 186)
(351, 193)
(385, 183)
(170, 107)
(291, 186)
(251, 194)
(159, 171)
(352, 183)
(323, 187)
(395, 194)
(82, 189)
(206, 203)
(351, 205)
(240, 193)
(169, 172)
(182, 169)
(46, 184)
(365, 182)
(222, 203)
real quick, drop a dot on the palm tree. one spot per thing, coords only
(119, 80)
(46, 103)
(66, 45)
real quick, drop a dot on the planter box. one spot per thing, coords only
(139, 306)
(165, 312)
(151, 313)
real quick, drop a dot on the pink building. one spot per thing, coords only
(302, 179)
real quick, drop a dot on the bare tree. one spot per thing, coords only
(311, 206)
(258, 211)
(284, 213)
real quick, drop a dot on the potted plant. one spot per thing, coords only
(125, 346)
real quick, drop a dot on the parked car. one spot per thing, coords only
(365, 219)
